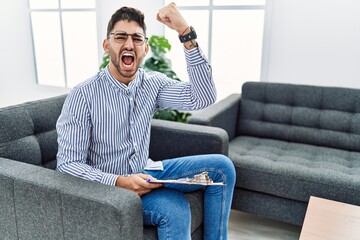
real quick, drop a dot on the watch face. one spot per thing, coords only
(188, 37)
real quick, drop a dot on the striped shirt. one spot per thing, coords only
(104, 127)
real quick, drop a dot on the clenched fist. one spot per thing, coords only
(171, 17)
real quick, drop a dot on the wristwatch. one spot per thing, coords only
(188, 37)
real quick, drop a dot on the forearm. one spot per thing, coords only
(72, 155)
(86, 172)
(190, 44)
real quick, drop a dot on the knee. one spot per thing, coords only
(226, 167)
(224, 163)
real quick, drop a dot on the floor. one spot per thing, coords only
(243, 226)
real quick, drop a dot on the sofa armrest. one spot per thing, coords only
(174, 139)
(223, 114)
(38, 203)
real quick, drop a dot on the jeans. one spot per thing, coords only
(168, 209)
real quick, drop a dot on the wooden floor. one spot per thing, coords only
(243, 226)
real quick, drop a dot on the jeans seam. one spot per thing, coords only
(222, 213)
(223, 176)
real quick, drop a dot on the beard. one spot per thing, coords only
(117, 62)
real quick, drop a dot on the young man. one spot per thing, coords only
(104, 128)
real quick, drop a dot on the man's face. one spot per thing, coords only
(125, 56)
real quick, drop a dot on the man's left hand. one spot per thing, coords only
(171, 17)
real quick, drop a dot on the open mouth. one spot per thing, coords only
(128, 59)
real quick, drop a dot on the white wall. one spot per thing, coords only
(17, 72)
(315, 42)
(311, 42)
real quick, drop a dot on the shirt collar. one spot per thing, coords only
(118, 85)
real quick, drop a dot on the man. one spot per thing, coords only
(104, 128)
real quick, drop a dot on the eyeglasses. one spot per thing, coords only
(137, 38)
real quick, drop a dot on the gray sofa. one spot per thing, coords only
(289, 142)
(37, 202)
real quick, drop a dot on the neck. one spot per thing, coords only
(119, 77)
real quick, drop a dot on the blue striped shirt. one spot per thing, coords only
(104, 127)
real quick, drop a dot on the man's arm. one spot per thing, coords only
(74, 129)
(200, 92)
(74, 136)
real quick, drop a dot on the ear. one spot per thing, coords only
(147, 47)
(106, 46)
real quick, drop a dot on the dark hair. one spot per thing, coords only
(126, 13)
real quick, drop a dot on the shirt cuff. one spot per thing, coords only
(194, 56)
(109, 179)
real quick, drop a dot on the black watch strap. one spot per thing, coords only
(188, 37)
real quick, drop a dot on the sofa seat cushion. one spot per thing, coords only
(296, 171)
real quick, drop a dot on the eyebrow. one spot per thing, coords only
(120, 31)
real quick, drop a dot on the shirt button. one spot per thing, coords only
(131, 122)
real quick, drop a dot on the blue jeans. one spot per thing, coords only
(168, 209)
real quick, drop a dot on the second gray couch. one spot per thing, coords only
(289, 142)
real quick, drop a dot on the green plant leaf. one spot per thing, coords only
(106, 60)
(159, 45)
(165, 114)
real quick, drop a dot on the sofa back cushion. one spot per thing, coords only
(28, 131)
(325, 116)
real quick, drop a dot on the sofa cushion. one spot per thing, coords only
(324, 116)
(27, 131)
(296, 171)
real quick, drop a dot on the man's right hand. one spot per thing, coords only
(137, 183)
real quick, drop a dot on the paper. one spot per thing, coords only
(199, 179)
(180, 181)
(152, 165)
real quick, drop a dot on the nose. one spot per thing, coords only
(129, 44)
